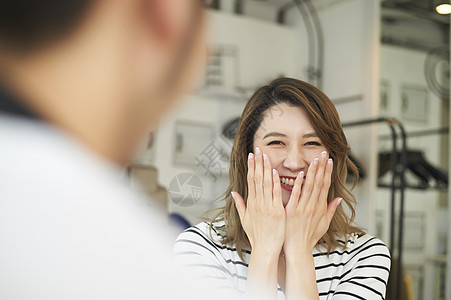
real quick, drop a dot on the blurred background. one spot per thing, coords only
(385, 65)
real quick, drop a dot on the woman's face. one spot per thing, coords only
(288, 138)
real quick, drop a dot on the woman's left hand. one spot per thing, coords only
(308, 215)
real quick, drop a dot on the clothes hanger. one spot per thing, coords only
(418, 165)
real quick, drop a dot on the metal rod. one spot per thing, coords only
(216, 4)
(401, 207)
(310, 36)
(320, 42)
(281, 13)
(443, 130)
(348, 99)
(393, 189)
(366, 122)
(315, 37)
(239, 7)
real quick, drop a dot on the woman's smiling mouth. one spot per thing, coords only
(287, 182)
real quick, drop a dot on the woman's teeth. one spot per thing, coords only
(287, 181)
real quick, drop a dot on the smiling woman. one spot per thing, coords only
(282, 232)
(291, 148)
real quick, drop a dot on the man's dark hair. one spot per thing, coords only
(26, 25)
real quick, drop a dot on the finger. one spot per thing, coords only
(319, 177)
(296, 192)
(309, 182)
(332, 208)
(326, 181)
(258, 175)
(267, 180)
(250, 177)
(240, 205)
(321, 167)
(277, 190)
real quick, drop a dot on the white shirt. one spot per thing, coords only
(69, 226)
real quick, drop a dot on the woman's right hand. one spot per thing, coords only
(263, 218)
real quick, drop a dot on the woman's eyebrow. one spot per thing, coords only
(309, 135)
(279, 134)
(276, 134)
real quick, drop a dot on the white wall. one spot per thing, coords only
(265, 48)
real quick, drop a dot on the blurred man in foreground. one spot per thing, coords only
(81, 83)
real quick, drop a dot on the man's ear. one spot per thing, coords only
(168, 19)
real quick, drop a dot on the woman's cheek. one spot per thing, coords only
(275, 156)
(311, 155)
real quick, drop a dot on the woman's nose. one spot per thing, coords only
(295, 161)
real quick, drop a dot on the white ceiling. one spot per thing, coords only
(415, 27)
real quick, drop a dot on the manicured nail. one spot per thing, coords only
(265, 157)
(233, 195)
(323, 155)
(339, 201)
(301, 174)
(257, 151)
(251, 156)
(274, 172)
(329, 161)
(315, 161)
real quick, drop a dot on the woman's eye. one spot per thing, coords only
(313, 144)
(275, 143)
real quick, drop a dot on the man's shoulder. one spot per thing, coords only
(48, 176)
(65, 211)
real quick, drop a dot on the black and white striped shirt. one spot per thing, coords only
(360, 271)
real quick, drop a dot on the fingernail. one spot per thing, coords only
(257, 151)
(301, 174)
(329, 161)
(323, 155)
(233, 195)
(274, 172)
(265, 157)
(339, 201)
(251, 156)
(315, 161)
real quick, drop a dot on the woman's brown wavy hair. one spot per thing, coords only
(326, 122)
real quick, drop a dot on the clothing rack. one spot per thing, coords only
(392, 123)
(441, 130)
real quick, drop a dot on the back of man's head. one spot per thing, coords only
(26, 25)
(105, 71)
